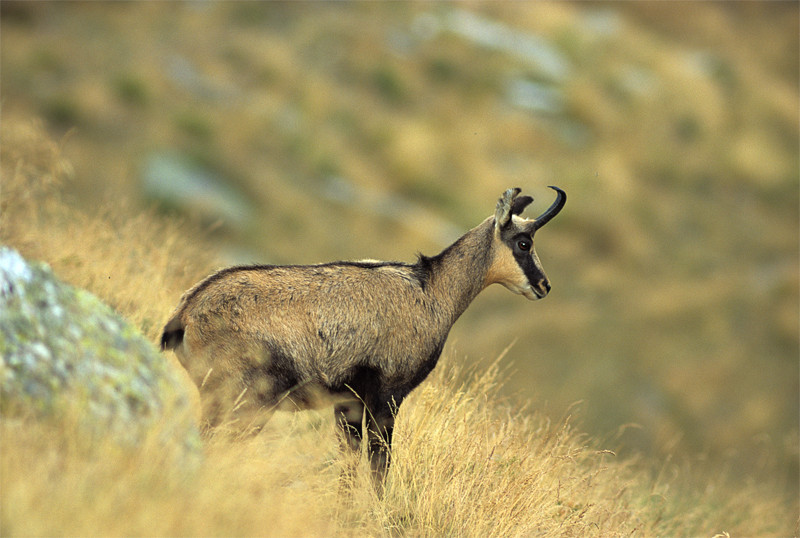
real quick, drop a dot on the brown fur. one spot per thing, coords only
(354, 334)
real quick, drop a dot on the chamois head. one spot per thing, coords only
(516, 265)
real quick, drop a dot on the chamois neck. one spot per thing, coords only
(458, 273)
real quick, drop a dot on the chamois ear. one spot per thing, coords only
(505, 205)
(520, 203)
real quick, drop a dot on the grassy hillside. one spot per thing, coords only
(467, 462)
(465, 466)
(377, 130)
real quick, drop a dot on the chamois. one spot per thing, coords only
(358, 335)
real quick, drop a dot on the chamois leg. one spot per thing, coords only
(348, 419)
(380, 425)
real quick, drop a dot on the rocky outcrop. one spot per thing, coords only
(65, 354)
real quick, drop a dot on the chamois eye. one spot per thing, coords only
(524, 244)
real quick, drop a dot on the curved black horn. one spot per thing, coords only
(553, 210)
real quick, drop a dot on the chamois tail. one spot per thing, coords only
(172, 336)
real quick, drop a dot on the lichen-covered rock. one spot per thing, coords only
(66, 354)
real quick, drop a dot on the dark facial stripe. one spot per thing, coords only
(528, 266)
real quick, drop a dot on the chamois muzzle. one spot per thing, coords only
(553, 210)
(540, 289)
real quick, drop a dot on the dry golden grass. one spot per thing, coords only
(466, 462)
(135, 261)
(675, 260)
(465, 465)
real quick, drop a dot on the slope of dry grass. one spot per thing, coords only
(467, 461)
(135, 261)
(465, 465)
(373, 130)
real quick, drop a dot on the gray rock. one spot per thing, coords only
(536, 51)
(65, 354)
(174, 181)
(535, 96)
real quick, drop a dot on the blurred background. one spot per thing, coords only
(310, 132)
